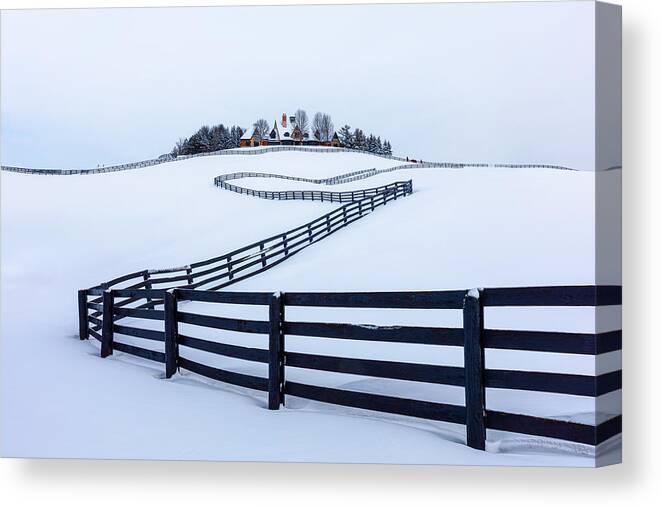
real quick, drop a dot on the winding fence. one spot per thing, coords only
(149, 297)
(308, 195)
(260, 151)
(174, 348)
(218, 272)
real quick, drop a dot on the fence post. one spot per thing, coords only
(171, 347)
(145, 277)
(263, 256)
(328, 228)
(189, 272)
(284, 244)
(310, 233)
(107, 326)
(281, 358)
(83, 329)
(229, 267)
(276, 352)
(474, 371)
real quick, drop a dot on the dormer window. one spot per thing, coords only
(272, 134)
(286, 134)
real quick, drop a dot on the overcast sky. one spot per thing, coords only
(462, 82)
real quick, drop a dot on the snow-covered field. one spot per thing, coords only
(459, 229)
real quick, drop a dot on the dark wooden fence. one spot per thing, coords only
(221, 271)
(222, 181)
(231, 151)
(474, 338)
(309, 195)
(271, 149)
(224, 270)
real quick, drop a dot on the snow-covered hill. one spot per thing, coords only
(463, 228)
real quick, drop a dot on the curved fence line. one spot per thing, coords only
(347, 196)
(260, 151)
(137, 296)
(539, 166)
(229, 268)
(304, 195)
(169, 158)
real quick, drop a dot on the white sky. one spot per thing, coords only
(511, 82)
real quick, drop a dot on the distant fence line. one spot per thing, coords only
(266, 149)
(540, 166)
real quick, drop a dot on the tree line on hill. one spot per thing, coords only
(358, 140)
(206, 139)
(219, 137)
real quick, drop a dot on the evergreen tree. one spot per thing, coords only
(201, 140)
(235, 135)
(217, 138)
(371, 144)
(346, 137)
(359, 140)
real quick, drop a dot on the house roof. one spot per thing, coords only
(248, 133)
(280, 131)
(274, 133)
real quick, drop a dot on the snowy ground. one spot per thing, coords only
(59, 234)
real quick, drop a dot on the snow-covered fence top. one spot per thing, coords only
(177, 349)
(260, 151)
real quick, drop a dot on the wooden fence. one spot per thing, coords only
(231, 151)
(474, 337)
(219, 272)
(309, 195)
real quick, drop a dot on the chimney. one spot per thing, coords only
(284, 120)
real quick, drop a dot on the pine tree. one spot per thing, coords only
(359, 140)
(346, 137)
(218, 137)
(235, 136)
(387, 149)
(200, 142)
(371, 144)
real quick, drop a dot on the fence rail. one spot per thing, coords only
(157, 296)
(224, 270)
(256, 151)
(474, 337)
(307, 195)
